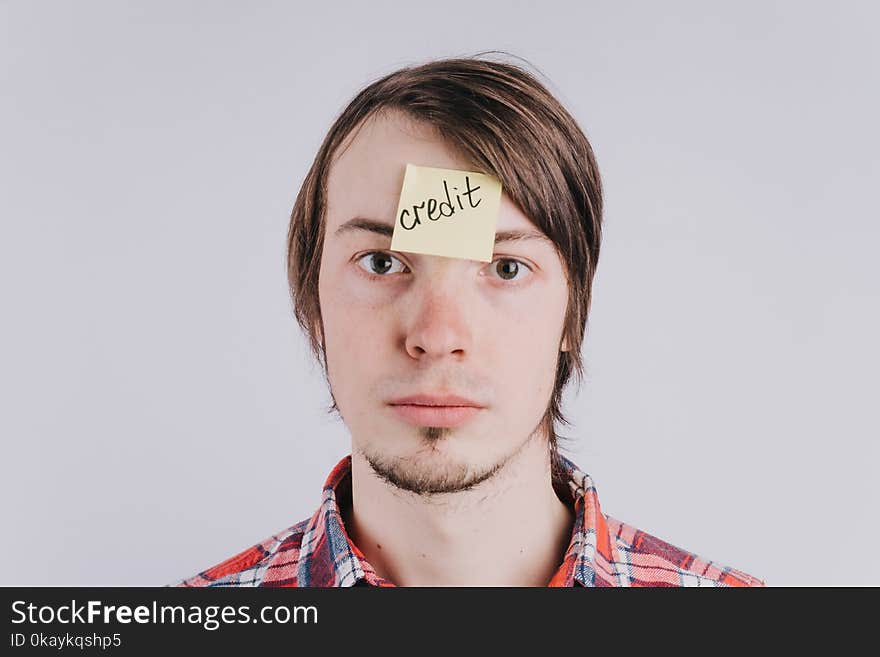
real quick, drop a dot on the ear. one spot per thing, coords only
(564, 346)
(318, 329)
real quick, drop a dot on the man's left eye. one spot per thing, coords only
(508, 269)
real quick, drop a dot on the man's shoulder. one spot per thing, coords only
(271, 562)
(647, 560)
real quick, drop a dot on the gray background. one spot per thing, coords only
(160, 409)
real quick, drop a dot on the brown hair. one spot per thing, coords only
(508, 125)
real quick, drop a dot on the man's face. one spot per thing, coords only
(398, 324)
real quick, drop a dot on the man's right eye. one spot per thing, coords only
(379, 263)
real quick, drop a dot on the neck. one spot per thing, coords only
(510, 530)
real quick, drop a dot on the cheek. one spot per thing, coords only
(532, 354)
(528, 342)
(356, 330)
(534, 321)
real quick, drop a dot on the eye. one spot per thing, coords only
(508, 269)
(379, 263)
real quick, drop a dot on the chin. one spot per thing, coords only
(438, 467)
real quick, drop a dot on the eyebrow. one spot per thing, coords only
(387, 230)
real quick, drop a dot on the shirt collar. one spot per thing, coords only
(329, 558)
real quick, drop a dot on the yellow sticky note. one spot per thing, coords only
(447, 212)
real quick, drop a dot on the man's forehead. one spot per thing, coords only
(370, 163)
(386, 131)
(367, 173)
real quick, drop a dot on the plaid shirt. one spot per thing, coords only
(602, 552)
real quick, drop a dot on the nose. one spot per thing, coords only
(439, 326)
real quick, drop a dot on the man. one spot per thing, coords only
(448, 372)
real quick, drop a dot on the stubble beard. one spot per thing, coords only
(427, 478)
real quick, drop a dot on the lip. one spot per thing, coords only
(435, 410)
(435, 400)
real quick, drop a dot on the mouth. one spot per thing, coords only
(436, 410)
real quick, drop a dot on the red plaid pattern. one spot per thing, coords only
(603, 551)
